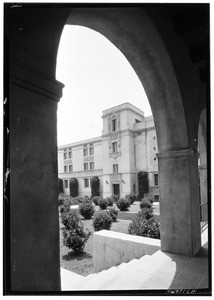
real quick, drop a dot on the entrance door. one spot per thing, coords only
(116, 189)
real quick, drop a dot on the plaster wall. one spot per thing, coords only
(141, 151)
(107, 189)
(78, 159)
(113, 248)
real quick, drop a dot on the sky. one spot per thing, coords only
(97, 76)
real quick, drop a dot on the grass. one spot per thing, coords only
(82, 264)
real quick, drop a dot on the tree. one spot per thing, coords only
(73, 187)
(95, 186)
(60, 185)
(143, 183)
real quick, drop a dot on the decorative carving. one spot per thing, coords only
(115, 154)
(114, 136)
(153, 150)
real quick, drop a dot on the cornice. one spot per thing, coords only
(39, 83)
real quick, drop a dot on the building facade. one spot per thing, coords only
(128, 145)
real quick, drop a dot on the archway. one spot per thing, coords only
(173, 89)
(133, 32)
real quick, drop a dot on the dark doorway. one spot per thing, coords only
(116, 189)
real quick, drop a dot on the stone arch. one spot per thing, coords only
(33, 34)
(134, 34)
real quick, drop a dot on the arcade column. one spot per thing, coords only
(179, 202)
(33, 199)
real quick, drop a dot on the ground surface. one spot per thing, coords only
(82, 264)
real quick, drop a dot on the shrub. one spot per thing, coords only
(143, 183)
(75, 201)
(96, 200)
(144, 227)
(132, 198)
(70, 218)
(103, 203)
(123, 204)
(68, 201)
(63, 208)
(61, 199)
(145, 203)
(65, 204)
(80, 199)
(74, 236)
(110, 201)
(86, 209)
(115, 198)
(95, 186)
(147, 212)
(150, 197)
(74, 187)
(113, 213)
(102, 220)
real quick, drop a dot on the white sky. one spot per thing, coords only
(97, 76)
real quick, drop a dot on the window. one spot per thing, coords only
(86, 182)
(91, 151)
(85, 166)
(156, 198)
(156, 179)
(137, 121)
(66, 184)
(69, 153)
(85, 152)
(90, 181)
(91, 165)
(114, 147)
(115, 169)
(65, 169)
(70, 168)
(114, 124)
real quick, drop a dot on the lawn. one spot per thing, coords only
(82, 264)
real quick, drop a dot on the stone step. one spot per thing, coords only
(122, 266)
(133, 263)
(105, 279)
(95, 282)
(129, 275)
(153, 262)
(70, 279)
(141, 272)
(159, 271)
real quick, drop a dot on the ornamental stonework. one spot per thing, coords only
(116, 135)
(115, 154)
(153, 150)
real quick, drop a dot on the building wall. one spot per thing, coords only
(136, 151)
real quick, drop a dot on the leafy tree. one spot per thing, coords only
(74, 187)
(95, 186)
(143, 183)
(60, 186)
